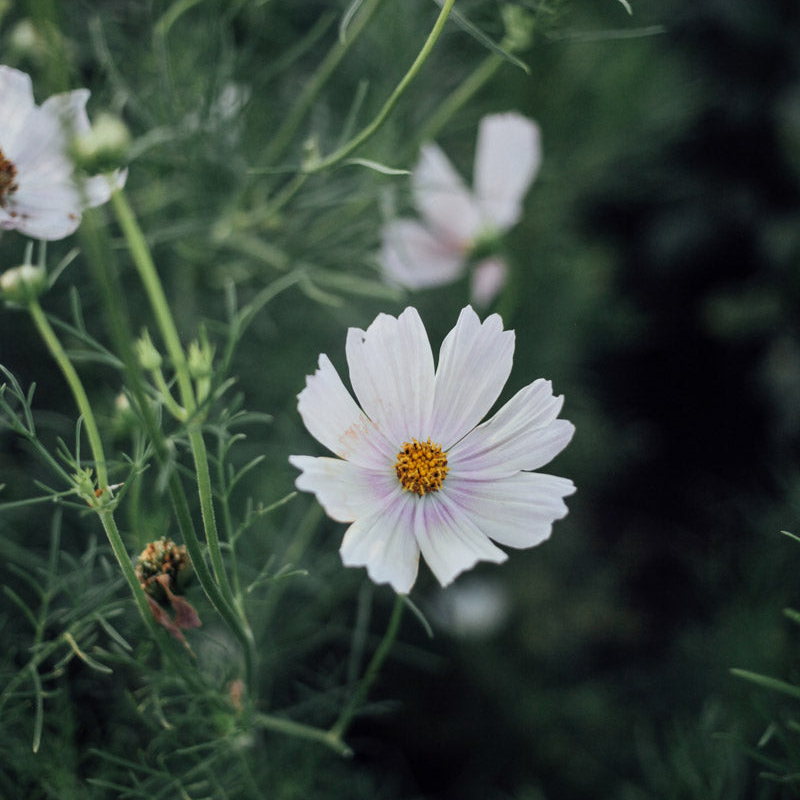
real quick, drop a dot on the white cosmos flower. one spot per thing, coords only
(40, 194)
(454, 219)
(416, 472)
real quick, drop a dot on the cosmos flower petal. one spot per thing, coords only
(449, 541)
(474, 365)
(344, 490)
(517, 511)
(391, 369)
(445, 203)
(332, 417)
(487, 279)
(385, 545)
(523, 435)
(413, 257)
(46, 199)
(507, 158)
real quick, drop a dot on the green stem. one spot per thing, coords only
(458, 98)
(158, 301)
(121, 334)
(65, 365)
(298, 729)
(359, 695)
(291, 122)
(155, 292)
(204, 490)
(373, 126)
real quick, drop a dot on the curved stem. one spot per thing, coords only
(359, 695)
(373, 126)
(458, 97)
(291, 122)
(299, 730)
(205, 492)
(121, 333)
(65, 365)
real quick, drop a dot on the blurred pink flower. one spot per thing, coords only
(416, 472)
(437, 250)
(40, 194)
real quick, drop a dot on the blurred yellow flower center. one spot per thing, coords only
(8, 176)
(421, 467)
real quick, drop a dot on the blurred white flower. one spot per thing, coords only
(40, 195)
(455, 221)
(418, 473)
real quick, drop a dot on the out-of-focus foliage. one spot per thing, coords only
(654, 280)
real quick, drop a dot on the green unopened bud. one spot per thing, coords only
(104, 147)
(149, 357)
(201, 357)
(23, 284)
(519, 24)
(25, 41)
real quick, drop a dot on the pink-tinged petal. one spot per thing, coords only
(507, 158)
(16, 92)
(344, 490)
(474, 365)
(332, 417)
(391, 369)
(415, 258)
(518, 511)
(449, 541)
(523, 435)
(488, 278)
(384, 543)
(446, 205)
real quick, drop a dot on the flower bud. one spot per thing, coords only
(149, 357)
(23, 284)
(519, 24)
(104, 147)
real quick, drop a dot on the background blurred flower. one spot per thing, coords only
(418, 475)
(456, 221)
(40, 195)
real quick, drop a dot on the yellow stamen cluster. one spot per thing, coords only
(8, 177)
(421, 467)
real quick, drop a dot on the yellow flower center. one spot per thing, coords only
(8, 178)
(421, 467)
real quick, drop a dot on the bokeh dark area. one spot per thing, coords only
(655, 280)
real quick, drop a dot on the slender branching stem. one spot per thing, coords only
(285, 133)
(78, 392)
(358, 697)
(368, 131)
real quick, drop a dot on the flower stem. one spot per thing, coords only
(158, 301)
(458, 97)
(65, 365)
(219, 591)
(291, 122)
(359, 695)
(140, 253)
(298, 729)
(369, 130)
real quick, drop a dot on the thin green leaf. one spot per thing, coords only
(85, 657)
(416, 611)
(38, 720)
(477, 34)
(774, 684)
(347, 17)
(374, 165)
